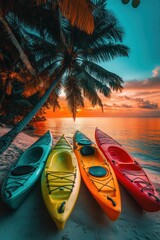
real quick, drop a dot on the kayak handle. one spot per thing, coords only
(113, 202)
(9, 194)
(61, 208)
(152, 195)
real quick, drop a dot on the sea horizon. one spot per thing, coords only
(101, 117)
(140, 135)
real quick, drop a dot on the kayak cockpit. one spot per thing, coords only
(62, 161)
(32, 155)
(118, 155)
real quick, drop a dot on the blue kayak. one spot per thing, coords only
(24, 174)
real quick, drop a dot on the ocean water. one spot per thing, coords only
(139, 135)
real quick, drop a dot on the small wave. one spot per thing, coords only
(150, 167)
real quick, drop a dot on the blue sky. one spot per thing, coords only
(142, 36)
(141, 71)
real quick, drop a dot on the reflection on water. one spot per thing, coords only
(140, 136)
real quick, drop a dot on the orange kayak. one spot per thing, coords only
(129, 173)
(98, 175)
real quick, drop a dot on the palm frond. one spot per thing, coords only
(108, 33)
(92, 96)
(47, 65)
(107, 29)
(73, 94)
(106, 52)
(100, 85)
(79, 13)
(101, 88)
(106, 24)
(104, 76)
(35, 86)
(88, 84)
(53, 100)
(23, 103)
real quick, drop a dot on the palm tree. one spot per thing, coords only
(15, 106)
(7, 79)
(70, 59)
(80, 53)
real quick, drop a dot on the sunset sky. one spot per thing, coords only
(140, 72)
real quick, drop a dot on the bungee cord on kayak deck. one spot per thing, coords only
(56, 181)
(141, 180)
(11, 186)
(106, 184)
(100, 181)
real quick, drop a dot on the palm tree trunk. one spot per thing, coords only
(4, 92)
(14, 41)
(8, 138)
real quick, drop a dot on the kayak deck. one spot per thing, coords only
(60, 175)
(26, 171)
(61, 182)
(98, 175)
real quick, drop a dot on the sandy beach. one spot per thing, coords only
(87, 221)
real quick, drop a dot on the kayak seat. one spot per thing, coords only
(118, 154)
(21, 170)
(87, 151)
(97, 171)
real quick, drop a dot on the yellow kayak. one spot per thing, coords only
(61, 182)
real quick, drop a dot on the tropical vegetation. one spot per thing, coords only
(59, 55)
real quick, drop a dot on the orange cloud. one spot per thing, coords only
(138, 98)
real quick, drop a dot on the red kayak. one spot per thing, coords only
(129, 173)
